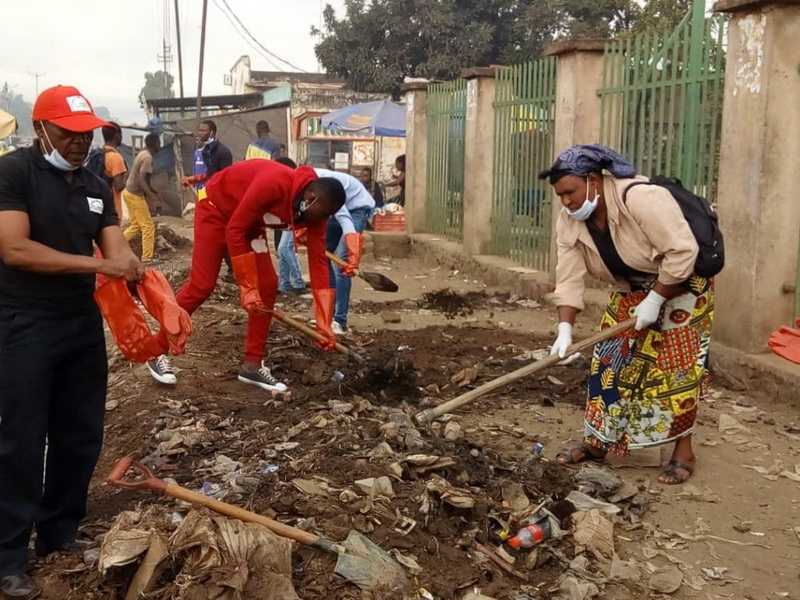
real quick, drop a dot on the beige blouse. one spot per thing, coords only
(649, 232)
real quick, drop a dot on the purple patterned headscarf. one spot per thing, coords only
(583, 159)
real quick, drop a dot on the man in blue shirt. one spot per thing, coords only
(345, 240)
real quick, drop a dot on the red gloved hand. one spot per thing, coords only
(300, 236)
(189, 181)
(354, 242)
(126, 322)
(246, 273)
(156, 294)
(323, 313)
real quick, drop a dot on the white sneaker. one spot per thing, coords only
(262, 378)
(338, 329)
(161, 370)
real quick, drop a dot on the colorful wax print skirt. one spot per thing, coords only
(644, 386)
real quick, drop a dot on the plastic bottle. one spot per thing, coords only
(529, 536)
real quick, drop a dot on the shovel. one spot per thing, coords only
(360, 561)
(427, 416)
(305, 329)
(379, 283)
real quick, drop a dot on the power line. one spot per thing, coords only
(252, 37)
(246, 39)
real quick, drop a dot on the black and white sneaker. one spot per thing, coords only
(263, 379)
(161, 370)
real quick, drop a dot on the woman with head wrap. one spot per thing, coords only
(644, 384)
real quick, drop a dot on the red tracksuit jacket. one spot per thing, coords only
(255, 195)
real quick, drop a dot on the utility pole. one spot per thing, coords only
(180, 54)
(166, 59)
(202, 56)
(36, 75)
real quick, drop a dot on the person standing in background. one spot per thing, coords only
(263, 146)
(399, 181)
(115, 167)
(373, 187)
(136, 194)
(215, 157)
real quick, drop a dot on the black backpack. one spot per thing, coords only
(703, 222)
(96, 163)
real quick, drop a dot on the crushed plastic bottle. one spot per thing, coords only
(529, 536)
(534, 455)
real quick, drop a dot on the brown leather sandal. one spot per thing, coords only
(585, 455)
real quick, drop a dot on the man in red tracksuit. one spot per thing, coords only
(234, 212)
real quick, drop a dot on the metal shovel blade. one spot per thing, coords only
(368, 566)
(379, 283)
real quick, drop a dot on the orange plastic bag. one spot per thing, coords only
(786, 343)
(158, 298)
(126, 322)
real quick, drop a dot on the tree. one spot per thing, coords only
(378, 43)
(156, 85)
(662, 15)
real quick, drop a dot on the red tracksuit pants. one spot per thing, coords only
(207, 256)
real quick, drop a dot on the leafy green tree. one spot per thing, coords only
(377, 43)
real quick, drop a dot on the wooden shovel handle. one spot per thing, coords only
(229, 510)
(305, 329)
(433, 413)
(336, 259)
(150, 482)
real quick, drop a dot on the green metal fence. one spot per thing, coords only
(661, 100)
(447, 117)
(524, 115)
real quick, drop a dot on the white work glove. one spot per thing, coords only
(563, 341)
(648, 310)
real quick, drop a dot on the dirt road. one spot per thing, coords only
(734, 532)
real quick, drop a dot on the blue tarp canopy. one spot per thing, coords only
(382, 118)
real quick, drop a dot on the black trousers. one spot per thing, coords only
(53, 378)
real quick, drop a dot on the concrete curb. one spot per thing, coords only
(766, 376)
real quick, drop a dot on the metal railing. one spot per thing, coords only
(524, 118)
(661, 100)
(447, 117)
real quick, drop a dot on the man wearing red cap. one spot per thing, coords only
(53, 365)
(233, 213)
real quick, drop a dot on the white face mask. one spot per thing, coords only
(54, 156)
(587, 208)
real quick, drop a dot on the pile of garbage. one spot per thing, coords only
(457, 516)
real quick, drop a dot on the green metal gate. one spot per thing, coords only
(661, 100)
(447, 118)
(524, 110)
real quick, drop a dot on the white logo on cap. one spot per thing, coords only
(78, 104)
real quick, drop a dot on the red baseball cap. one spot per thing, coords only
(66, 107)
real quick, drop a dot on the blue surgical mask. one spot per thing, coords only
(587, 208)
(54, 156)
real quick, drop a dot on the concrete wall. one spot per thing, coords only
(759, 166)
(577, 121)
(416, 156)
(479, 160)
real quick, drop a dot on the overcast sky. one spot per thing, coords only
(104, 47)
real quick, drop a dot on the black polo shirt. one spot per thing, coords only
(67, 217)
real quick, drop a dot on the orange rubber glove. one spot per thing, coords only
(126, 322)
(189, 181)
(158, 298)
(300, 237)
(354, 242)
(246, 272)
(323, 313)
